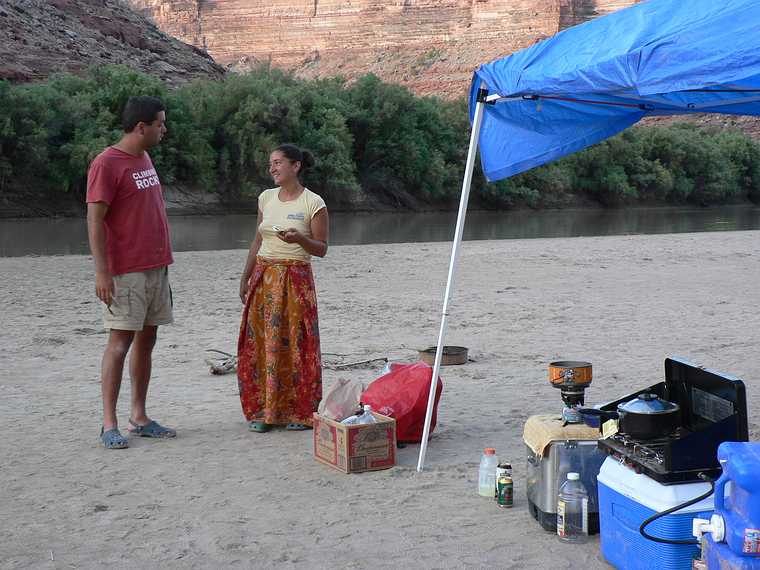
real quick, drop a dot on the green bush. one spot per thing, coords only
(365, 134)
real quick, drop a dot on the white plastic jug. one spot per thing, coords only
(487, 473)
(365, 417)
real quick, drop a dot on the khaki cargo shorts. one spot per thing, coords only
(140, 299)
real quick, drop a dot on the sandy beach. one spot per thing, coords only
(219, 496)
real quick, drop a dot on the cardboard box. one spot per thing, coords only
(355, 448)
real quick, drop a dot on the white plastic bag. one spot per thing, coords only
(342, 399)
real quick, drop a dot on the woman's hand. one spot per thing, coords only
(291, 235)
(243, 289)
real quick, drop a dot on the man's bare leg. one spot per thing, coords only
(140, 362)
(111, 371)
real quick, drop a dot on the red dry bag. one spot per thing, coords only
(403, 394)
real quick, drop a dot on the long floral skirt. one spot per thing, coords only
(279, 359)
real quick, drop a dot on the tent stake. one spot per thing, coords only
(466, 182)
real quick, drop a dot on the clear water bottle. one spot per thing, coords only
(487, 473)
(365, 417)
(572, 510)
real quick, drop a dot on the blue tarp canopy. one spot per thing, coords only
(589, 82)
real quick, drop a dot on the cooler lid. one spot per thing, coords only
(649, 493)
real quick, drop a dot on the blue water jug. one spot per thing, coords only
(737, 496)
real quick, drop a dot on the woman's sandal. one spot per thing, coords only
(259, 427)
(296, 427)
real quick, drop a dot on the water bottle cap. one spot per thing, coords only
(367, 408)
(573, 476)
(489, 451)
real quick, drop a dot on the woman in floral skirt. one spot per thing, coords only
(279, 359)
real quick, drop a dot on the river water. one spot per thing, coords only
(197, 233)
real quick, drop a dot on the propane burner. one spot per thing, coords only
(572, 377)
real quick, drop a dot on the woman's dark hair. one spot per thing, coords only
(141, 109)
(292, 152)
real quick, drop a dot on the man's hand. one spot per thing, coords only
(104, 288)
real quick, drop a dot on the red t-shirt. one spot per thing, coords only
(137, 231)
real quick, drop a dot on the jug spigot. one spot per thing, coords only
(715, 525)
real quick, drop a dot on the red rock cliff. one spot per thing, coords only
(431, 46)
(40, 37)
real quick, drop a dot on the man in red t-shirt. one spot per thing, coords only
(129, 241)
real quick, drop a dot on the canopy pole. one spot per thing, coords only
(474, 135)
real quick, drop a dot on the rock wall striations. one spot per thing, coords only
(431, 46)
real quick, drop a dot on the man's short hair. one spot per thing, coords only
(142, 109)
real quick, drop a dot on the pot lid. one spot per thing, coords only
(647, 403)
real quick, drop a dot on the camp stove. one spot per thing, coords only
(713, 410)
(642, 477)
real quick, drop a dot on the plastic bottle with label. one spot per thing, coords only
(572, 510)
(487, 473)
(365, 417)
